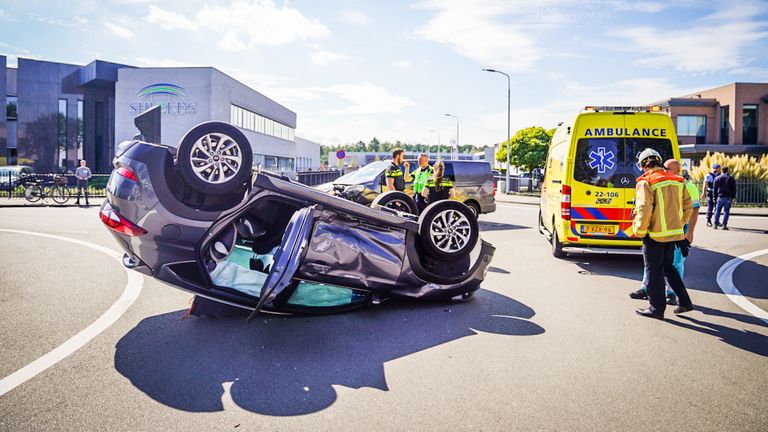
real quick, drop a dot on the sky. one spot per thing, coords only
(354, 70)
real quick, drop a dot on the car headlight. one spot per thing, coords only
(354, 189)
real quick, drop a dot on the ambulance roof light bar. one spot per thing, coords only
(654, 108)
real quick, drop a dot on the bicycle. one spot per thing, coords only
(57, 190)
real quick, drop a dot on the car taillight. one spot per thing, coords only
(114, 221)
(495, 185)
(565, 203)
(127, 173)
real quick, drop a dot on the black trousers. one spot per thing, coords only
(659, 258)
(421, 202)
(711, 202)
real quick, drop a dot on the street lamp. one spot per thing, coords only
(438, 142)
(509, 137)
(457, 128)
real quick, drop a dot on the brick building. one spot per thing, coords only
(728, 119)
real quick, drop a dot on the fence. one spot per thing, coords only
(314, 178)
(748, 193)
(12, 186)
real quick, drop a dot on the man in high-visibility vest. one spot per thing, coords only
(662, 208)
(420, 177)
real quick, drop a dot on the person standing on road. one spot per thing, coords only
(438, 187)
(708, 193)
(420, 178)
(673, 167)
(83, 174)
(725, 191)
(397, 176)
(662, 207)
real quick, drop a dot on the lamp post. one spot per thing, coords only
(509, 137)
(457, 128)
(438, 142)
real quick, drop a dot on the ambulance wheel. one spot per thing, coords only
(448, 230)
(540, 224)
(215, 158)
(396, 200)
(557, 247)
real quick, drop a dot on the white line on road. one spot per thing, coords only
(523, 207)
(725, 281)
(129, 295)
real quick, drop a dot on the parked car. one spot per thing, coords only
(12, 176)
(197, 218)
(473, 180)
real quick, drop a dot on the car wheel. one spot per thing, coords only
(474, 207)
(396, 200)
(557, 247)
(215, 158)
(448, 229)
(540, 224)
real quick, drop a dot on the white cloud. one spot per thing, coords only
(154, 62)
(260, 22)
(639, 6)
(473, 30)
(323, 58)
(715, 43)
(367, 98)
(119, 31)
(402, 63)
(169, 20)
(353, 17)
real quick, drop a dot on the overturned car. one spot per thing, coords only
(198, 218)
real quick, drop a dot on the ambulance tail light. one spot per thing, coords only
(565, 203)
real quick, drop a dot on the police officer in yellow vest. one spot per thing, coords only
(662, 208)
(438, 187)
(421, 176)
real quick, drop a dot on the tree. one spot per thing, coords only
(528, 150)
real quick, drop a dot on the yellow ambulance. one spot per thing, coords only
(588, 193)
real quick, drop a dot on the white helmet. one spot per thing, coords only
(648, 154)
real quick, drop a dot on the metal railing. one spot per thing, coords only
(748, 192)
(314, 178)
(12, 186)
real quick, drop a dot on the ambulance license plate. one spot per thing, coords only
(598, 229)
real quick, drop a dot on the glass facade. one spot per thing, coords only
(725, 124)
(749, 124)
(273, 163)
(80, 136)
(247, 119)
(691, 125)
(11, 106)
(61, 125)
(303, 163)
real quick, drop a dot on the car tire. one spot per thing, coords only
(396, 200)
(475, 207)
(540, 224)
(448, 229)
(214, 158)
(557, 247)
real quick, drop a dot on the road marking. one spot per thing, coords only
(524, 207)
(129, 295)
(725, 281)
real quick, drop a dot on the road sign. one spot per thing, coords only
(341, 154)
(685, 164)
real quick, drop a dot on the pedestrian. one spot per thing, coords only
(396, 175)
(438, 187)
(673, 166)
(725, 191)
(421, 175)
(708, 193)
(83, 174)
(662, 207)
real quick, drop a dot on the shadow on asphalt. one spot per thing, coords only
(286, 366)
(743, 339)
(499, 226)
(701, 268)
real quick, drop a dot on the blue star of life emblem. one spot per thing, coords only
(602, 160)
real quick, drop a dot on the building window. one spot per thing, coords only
(749, 124)
(62, 134)
(80, 129)
(691, 125)
(725, 125)
(11, 104)
(247, 119)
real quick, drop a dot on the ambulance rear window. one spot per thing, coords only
(612, 162)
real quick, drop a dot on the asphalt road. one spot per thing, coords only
(547, 344)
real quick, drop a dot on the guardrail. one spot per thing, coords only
(314, 178)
